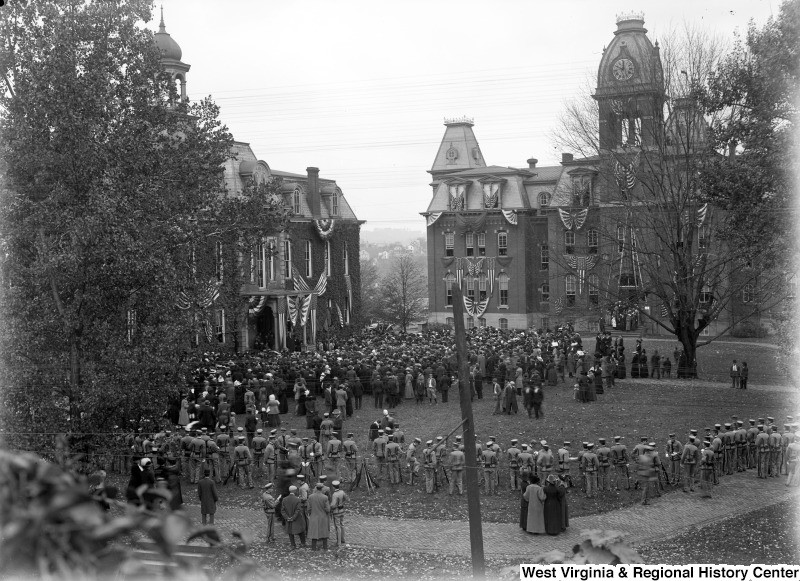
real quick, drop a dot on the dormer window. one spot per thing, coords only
(581, 190)
(491, 195)
(544, 199)
(457, 198)
(335, 204)
(296, 201)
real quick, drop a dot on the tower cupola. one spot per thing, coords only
(171, 57)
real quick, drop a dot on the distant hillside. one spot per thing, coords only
(391, 235)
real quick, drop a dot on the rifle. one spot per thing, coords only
(231, 472)
(628, 475)
(666, 476)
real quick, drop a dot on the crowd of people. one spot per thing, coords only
(228, 427)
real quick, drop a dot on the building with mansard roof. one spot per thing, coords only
(302, 281)
(537, 247)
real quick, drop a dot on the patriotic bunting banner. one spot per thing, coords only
(510, 216)
(433, 217)
(573, 219)
(304, 309)
(341, 318)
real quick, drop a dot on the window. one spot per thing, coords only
(470, 322)
(253, 263)
(471, 288)
(131, 325)
(620, 239)
(569, 242)
(594, 289)
(544, 199)
(502, 243)
(482, 321)
(271, 245)
(260, 271)
(502, 285)
(481, 243)
(328, 257)
(482, 280)
(334, 204)
(706, 296)
(219, 325)
(450, 322)
(570, 290)
(545, 323)
(470, 241)
(503, 324)
(346, 261)
(218, 255)
(545, 290)
(309, 266)
(449, 242)
(287, 258)
(591, 241)
(706, 332)
(702, 239)
(747, 293)
(448, 283)
(627, 280)
(296, 201)
(545, 257)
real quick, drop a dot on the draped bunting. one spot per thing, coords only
(470, 223)
(458, 194)
(664, 310)
(282, 308)
(324, 227)
(292, 309)
(474, 268)
(625, 174)
(322, 284)
(701, 215)
(572, 219)
(510, 216)
(433, 217)
(491, 195)
(204, 298)
(299, 283)
(459, 271)
(480, 308)
(581, 264)
(341, 318)
(305, 309)
(259, 306)
(490, 273)
(558, 305)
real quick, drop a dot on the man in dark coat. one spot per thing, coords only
(207, 492)
(553, 511)
(206, 415)
(292, 513)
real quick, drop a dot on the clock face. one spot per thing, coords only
(622, 69)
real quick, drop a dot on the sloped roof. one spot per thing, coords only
(459, 148)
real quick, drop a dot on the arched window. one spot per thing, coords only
(482, 284)
(503, 324)
(544, 256)
(502, 244)
(469, 239)
(570, 289)
(482, 321)
(544, 199)
(309, 266)
(335, 204)
(296, 201)
(502, 285)
(471, 287)
(287, 258)
(448, 283)
(328, 257)
(449, 243)
(594, 289)
(470, 322)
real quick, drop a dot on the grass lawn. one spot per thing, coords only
(630, 410)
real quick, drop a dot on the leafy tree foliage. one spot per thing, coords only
(369, 290)
(110, 185)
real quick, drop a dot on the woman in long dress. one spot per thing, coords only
(553, 511)
(273, 412)
(409, 384)
(183, 415)
(534, 497)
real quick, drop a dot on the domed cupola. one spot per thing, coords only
(630, 64)
(171, 56)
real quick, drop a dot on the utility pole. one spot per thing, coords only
(470, 454)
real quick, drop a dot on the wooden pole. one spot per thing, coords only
(470, 453)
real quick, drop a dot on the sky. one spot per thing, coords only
(360, 89)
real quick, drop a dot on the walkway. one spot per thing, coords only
(664, 518)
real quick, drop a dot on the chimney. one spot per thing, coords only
(532, 163)
(313, 192)
(566, 157)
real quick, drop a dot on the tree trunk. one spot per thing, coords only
(688, 340)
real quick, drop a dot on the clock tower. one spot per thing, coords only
(630, 87)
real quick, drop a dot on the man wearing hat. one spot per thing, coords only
(259, 444)
(223, 440)
(752, 432)
(319, 509)
(762, 449)
(411, 460)
(323, 479)
(603, 465)
(197, 457)
(690, 458)
(326, 428)
(456, 464)
(619, 456)
(350, 451)
(334, 454)
(729, 462)
(243, 458)
(268, 503)
(489, 460)
(740, 442)
(706, 469)
(379, 452)
(545, 461)
(787, 436)
(292, 513)
(716, 447)
(393, 453)
(646, 472)
(338, 500)
(674, 450)
(774, 450)
(590, 466)
(513, 464)
(429, 459)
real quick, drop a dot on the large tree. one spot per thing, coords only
(403, 291)
(662, 225)
(110, 183)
